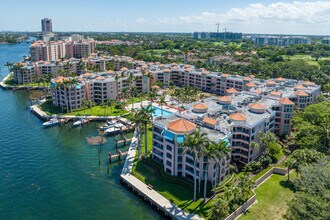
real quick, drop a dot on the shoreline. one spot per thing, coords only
(18, 87)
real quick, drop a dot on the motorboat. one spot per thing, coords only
(80, 122)
(53, 122)
(107, 125)
(112, 130)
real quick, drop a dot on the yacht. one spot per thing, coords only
(80, 122)
(107, 125)
(53, 122)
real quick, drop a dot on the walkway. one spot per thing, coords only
(151, 195)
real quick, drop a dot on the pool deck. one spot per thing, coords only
(145, 103)
(147, 192)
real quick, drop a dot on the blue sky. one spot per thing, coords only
(247, 16)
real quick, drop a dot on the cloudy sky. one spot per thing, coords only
(247, 16)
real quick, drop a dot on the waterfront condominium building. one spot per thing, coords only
(167, 136)
(68, 93)
(52, 51)
(97, 87)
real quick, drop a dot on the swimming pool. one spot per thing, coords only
(160, 112)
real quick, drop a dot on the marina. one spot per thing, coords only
(43, 166)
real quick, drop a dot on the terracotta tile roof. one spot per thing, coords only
(166, 70)
(280, 79)
(155, 87)
(257, 106)
(250, 84)
(87, 74)
(247, 79)
(225, 99)
(100, 78)
(300, 87)
(285, 101)
(225, 75)
(271, 83)
(210, 121)
(231, 90)
(309, 83)
(181, 126)
(200, 106)
(301, 93)
(206, 72)
(257, 91)
(123, 69)
(237, 117)
(274, 93)
(60, 79)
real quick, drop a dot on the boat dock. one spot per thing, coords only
(125, 141)
(146, 192)
(118, 155)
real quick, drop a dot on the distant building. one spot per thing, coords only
(52, 51)
(326, 40)
(280, 40)
(218, 35)
(46, 25)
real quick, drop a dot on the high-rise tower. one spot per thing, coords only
(46, 25)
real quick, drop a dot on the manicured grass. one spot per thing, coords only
(11, 82)
(307, 58)
(98, 111)
(272, 198)
(178, 194)
(95, 111)
(224, 44)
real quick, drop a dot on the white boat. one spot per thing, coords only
(119, 125)
(52, 122)
(107, 125)
(80, 122)
(112, 130)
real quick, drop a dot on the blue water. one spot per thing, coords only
(54, 173)
(160, 112)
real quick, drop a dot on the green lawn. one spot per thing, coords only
(272, 198)
(307, 58)
(224, 44)
(95, 111)
(174, 192)
(11, 82)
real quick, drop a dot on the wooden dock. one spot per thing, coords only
(118, 155)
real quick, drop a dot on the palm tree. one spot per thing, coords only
(138, 122)
(151, 96)
(162, 101)
(289, 163)
(146, 116)
(220, 208)
(91, 105)
(221, 152)
(266, 138)
(133, 93)
(85, 104)
(194, 144)
(110, 104)
(9, 65)
(104, 107)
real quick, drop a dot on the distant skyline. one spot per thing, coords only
(247, 16)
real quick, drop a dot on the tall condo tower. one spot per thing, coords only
(46, 25)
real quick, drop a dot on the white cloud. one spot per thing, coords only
(299, 17)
